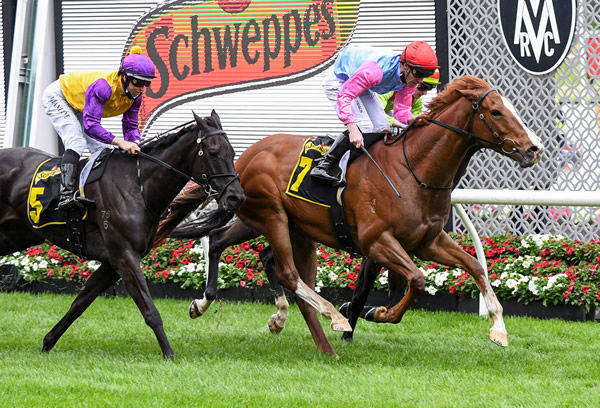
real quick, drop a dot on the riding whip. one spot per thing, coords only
(381, 170)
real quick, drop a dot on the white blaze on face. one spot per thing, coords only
(534, 139)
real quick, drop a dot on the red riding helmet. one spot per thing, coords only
(419, 56)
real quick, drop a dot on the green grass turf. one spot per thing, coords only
(228, 358)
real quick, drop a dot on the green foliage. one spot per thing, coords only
(228, 358)
(551, 269)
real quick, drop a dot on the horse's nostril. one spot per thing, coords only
(235, 200)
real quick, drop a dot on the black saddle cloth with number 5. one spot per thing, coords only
(45, 188)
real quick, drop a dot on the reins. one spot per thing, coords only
(205, 179)
(462, 132)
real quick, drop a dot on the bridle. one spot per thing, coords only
(467, 133)
(205, 178)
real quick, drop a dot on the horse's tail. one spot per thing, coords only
(203, 225)
(185, 202)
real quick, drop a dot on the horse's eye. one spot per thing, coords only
(496, 113)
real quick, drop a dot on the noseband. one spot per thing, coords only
(476, 104)
(467, 133)
(205, 183)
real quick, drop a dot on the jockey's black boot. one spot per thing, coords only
(326, 169)
(68, 184)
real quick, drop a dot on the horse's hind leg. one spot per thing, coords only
(356, 308)
(444, 250)
(306, 262)
(103, 278)
(276, 321)
(219, 240)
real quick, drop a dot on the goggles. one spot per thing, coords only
(424, 87)
(138, 82)
(421, 72)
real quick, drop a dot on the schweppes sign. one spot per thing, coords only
(205, 48)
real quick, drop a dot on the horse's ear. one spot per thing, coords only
(217, 119)
(199, 120)
(470, 94)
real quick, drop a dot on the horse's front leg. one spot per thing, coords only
(444, 250)
(128, 268)
(103, 278)
(277, 321)
(388, 252)
(219, 240)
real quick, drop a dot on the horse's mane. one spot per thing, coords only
(166, 139)
(448, 95)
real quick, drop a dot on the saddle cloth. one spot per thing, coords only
(45, 188)
(301, 185)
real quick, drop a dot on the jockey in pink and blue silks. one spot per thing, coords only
(76, 103)
(359, 73)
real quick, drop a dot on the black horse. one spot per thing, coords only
(130, 196)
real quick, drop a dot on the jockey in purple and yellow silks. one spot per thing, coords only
(359, 73)
(76, 103)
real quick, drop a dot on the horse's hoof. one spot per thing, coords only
(341, 325)
(345, 310)
(274, 326)
(499, 338)
(370, 315)
(194, 311)
(170, 356)
(377, 314)
(347, 336)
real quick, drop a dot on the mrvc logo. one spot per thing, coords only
(538, 33)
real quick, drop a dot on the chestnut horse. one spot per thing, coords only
(385, 228)
(130, 197)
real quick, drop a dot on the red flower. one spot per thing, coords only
(34, 251)
(585, 289)
(243, 284)
(493, 276)
(245, 245)
(330, 263)
(352, 285)
(566, 294)
(229, 258)
(452, 289)
(249, 275)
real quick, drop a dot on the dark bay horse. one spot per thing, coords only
(387, 229)
(130, 197)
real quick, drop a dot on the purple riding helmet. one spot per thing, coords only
(138, 69)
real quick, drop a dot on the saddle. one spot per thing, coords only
(44, 192)
(307, 188)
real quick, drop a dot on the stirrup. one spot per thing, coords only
(85, 202)
(66, 204)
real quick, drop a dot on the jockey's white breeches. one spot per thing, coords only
(67, 121)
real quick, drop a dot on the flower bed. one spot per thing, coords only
(548, 269)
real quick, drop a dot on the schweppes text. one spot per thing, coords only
(200, 48)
